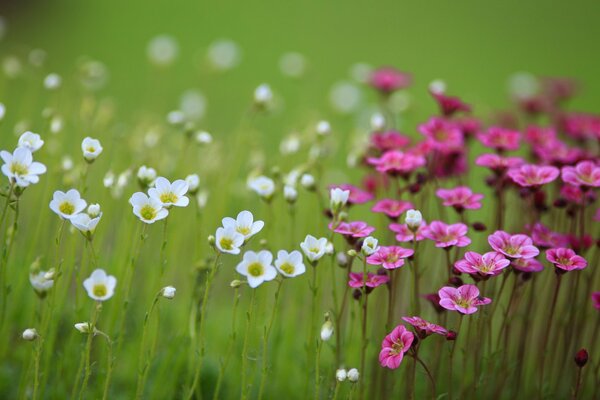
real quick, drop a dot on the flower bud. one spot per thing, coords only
(338, 199)
(30, 334)
(413, 219)
(290, 194)
(83, 327)
(146, 175)
(168, 292)
(353, 375)
(352, 253)
(308, 182)
(263, 95)
(236, 283)
(193, 182)
(342, 259)
(323, 128)
(479, 226)
(327, 330)
(211, 240)
(341, 375)
(581, 358)
(94, 210)
(377, 122)
(369, 246)
(451, 335)
(203, 138)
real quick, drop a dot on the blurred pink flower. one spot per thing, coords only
(490, 263)
(513, 246)
(464, 299)
(498, 163)
(527, 265)
(460, 198)
(394, 346)
(392, 208)
(390, 257)
(557, 152)
(585, 173)
(356, 229)
(565, 259)
(533, 175)
(445, 235)
(403, 234)
(542, 236)
(396, 162)
(500, 139)
(390, 140)
(388, 80)
(596, 300)
(449, 105)
(425, 328)
(537, 135)
(442, 135)
(371, 281)
(357, 195)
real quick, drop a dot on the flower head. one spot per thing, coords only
(263, 186)
(168, 292)
(527, 265)
(146, 176)
(147, 209)
(394, 346)
(229, 240)
(389, 140)
(356, 196)
(67, 205)
(500, 139)
(596, 300)
(565, 259)
(289, 264)
(85, 224)
(447, 235)
(530, 175)
(244, 224)
(425, 328)
(392, 208)
(31, 141)
(390, 257)
(396, 162)
(313, 248)
(91, 149)
(449, 105)
(338, 198)
(353, 375)
(388, 80)
(100, 286)
(513, 246)
(460, 198)
(355, 229)
(358, 280)
(585, 173)
(464, 299)
(370, 245)
(20, 168)
(442, 135)
(41, 281)
(498, 163)
(405, 234)
(170, 194)
(490, 263)
(256, 267)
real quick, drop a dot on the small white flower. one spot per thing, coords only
(67, 205)
(176, 117)
(263, 95)
(67, 163)
(193, 182)
(377, 122)
(109, 179)
(314, 248)
(31, 141)
(257, 268)
(41, 282)
(243, 224)
(307, 181)
(146, 175)
(147, 209)
(291, 178)
(168, 292)
(2, 111)
(369, 245)
(329, 248)
(56, 124)
(437, 86)
(94, 210)
(338, 198)
(83, 327)
(292, 64)
(223, 54)
(204, 138)
(263, 186)
(290, 145)
(326, 331)
(290, 193)
(85, 224)
(52, 81)
(100, 286)
(413, 219)
(20, 168)
(323, 128)
(170, 194)
(228, 240)
(289, 264)
(341, 375)
(30, 334)
(91, 149)
(353, 375)
(162, 50)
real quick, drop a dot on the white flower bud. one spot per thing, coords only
(369, 246)
(263, 95)
(193, 182)
(30, 334)
(168, 292)
(323, 128)
(413, 219)
(290, 193)
(94, 210)
(146, 175)
(437, 86)
(326, 330)
(353, 375)
(52, 81)
(377, 122)
(338, 199)
(341, 375)
(307, 181)
(83, 327)
(204, 138)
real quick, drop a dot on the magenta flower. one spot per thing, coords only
(447, 235)
(357, 195)
(404, 234)
(394, 346)
(533, 175)
(513, 246)
(527, 265)
(390, 257)
(596, 300)
(355, 229)
(585, 173)
(371, 281)
(498, 163)
(597, 215)
(390, 140)
(396, 162)
(442, 135)
(565, 259)
(449, 105)
(490, 263)
(425, 328)
(542, 236)
(388, 80)
(464, 299)
(500, 139)
(537, 135)
(392, 208)
(460, 198)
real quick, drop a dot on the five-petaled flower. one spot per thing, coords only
(394, 346)
(513, 246)
(565, 259)
(390, 257)
(464, 299)
(491, 263)
(257, 268)
(100, 286)
(447, 235)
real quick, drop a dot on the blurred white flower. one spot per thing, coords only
(100, 286)
(323, 128)
(147, 209)
(170, 194)
(202, 198)
(20, 168)
(377, 122)
(263, 95)
(203, 138)
(341, 375)
(292, 64)
(370, 245)
(290, 145)
(12, 66)
(193, 105)
(31, 141)
(109, 179)
(290, 194)
(193, 181)
(361, 72)
(223, 54)
(168, 292)
(313, 248)
(523, 85)
(146, 176)
(37, 57)
(257, 268)
(437, 86)
(228, 240)
(162, 50)
(307, 181)
(289, 264)
(353, 375)
(52, 81)
(91, 148)
(41, 281)
(263, 186)
(345, 97)
(2, 111)
(56, 124)
(243, 224)
(30, 334)
(176, 117)
(67, 205)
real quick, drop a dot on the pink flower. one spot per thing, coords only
(464, 299)
(460, 198)
(490, 263)
(355, 229)
(557, 152)
(596, 300)
(390, 257)
(449, 105)
(542, 236)
(513, 246)
(388, 80)
(498, 163)
(371, 281)
(565, 259)
(390, 140)
(447, 235)
(442, 134)
(536, 135)
(403, 234)
(500, 139)
(357, 195)
(533, 175)
(394, 346)
(597, 215)
(585, 173)
(527, 265)
(425, 328)
(392, 208)
(396, 162)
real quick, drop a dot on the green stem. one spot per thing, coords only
(144, 362)
(232, 339)
(245, 386)
(266, 335)
(88, 349)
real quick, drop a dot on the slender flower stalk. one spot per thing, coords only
(232, 341)
(266, 335)
(88, 348)
(144, 356)
(245, 387)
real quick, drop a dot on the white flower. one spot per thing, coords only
(307, 181)
(437, 86)
(146, 175)
(413, 219)
(162, 50)
(263, 95)
(292, 64)
(176, 117)
(170, 194)
(314, 248)
(84, 223)
(100, 286)
(290, 145)
(338, 198)
(94, 210)
(41, 282)
(109, 179)
(263, 186)
(204, 138)
(326, 331)
(228, 240)
(31, 141)
(83, 327)
(202, 198)
(147, 209)
(257, 268)
(193, 182)
(223, 54)
(323, 128)
(56, 124)
(30, 334)
(20, 168)
(91, 149)
(329, 248)
(66, 163)
(369, 245)
(290, 193)
(168, 292)
(353, 375)
(289, 264)
(243, 224)
(2, 111)
(341, 375)
(377, 122)
(52, 81)
(291, 178)
(67, 205)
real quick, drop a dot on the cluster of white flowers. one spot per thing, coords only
(352, 375)
(230, 237)
(155, 205)
(338, 199)
(70, 206)
(19, 166)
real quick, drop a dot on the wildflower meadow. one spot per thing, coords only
(378, 248)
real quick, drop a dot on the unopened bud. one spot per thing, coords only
(236, 283)
(451, 335)
(341, 375)
(353, 375)
(30, 334)
(581, 358)
(168, 292)
(326, 330)
(211, 240)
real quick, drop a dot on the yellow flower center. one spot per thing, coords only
(99, 290)
(287, 268)
(256, 269)
(397, 347)
(18, 169)
(148, 212)
(244, 230)
(91, 149)
(226, 243)
(168, 197)
(66, 208)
